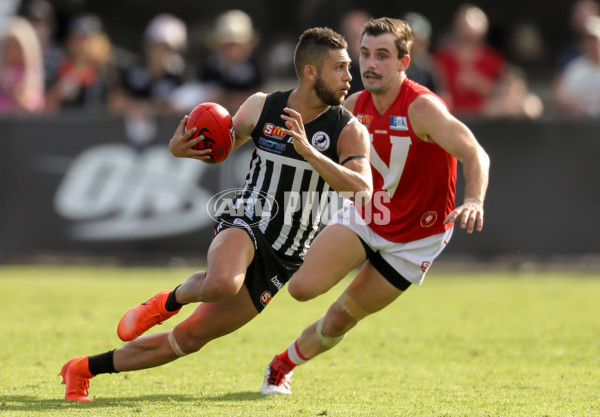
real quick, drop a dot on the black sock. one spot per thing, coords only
(172, 304)
(102, 363)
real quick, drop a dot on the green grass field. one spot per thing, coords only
(476, 344)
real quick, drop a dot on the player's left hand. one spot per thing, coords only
(295, 128)
(470, 214)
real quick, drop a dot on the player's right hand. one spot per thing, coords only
(181, 145)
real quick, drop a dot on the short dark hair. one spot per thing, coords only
(314, 45)
(399, 28)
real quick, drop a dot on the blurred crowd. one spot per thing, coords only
(85, 71)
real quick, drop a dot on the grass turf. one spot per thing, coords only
(469, 344)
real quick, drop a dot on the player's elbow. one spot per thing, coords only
(363, 194)
(485, 159)
(482, 156)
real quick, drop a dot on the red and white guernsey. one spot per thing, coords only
(419, 176)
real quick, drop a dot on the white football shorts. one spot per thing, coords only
(411, 260)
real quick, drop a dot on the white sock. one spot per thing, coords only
(295, 355)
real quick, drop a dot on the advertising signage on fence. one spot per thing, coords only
(112, 192)
(78, 185)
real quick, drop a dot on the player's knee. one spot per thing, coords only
(343, 315)
(219, 287)
(184, 340)
(299, 290)
(183, 343)
(327, 338)
(339, 322)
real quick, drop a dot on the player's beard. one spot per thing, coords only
(326, 95)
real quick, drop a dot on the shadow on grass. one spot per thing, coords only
(31, 403)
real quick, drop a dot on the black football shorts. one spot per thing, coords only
(269, 270)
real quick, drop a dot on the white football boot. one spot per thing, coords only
(277, 380)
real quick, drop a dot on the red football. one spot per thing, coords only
(216, 125)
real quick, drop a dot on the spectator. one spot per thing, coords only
(40, 14)
(511, 97)
(8, 9)
(578, 92)
(231, 66)
(421, 68)
(21, 70)
(146, 88)
(469, 68)
(280, 60)
(580, 11)
(526, 44)
(85, 77)
(351, 27)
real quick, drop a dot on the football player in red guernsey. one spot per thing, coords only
(415, 145)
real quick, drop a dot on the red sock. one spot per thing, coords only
(292, 355)
(285, 363)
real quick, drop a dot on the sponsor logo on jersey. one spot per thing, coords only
(271, 145)
(398, 123)
(273, 131)
(321, 141)
(425, 266)
(365, 119)
(381, 132)
(265, 297)
(428, 219)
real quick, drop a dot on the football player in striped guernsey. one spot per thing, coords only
(306, 145)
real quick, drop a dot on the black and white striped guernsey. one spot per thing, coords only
(278, 173)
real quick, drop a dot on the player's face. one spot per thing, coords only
(333, 79)
(380, 67)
